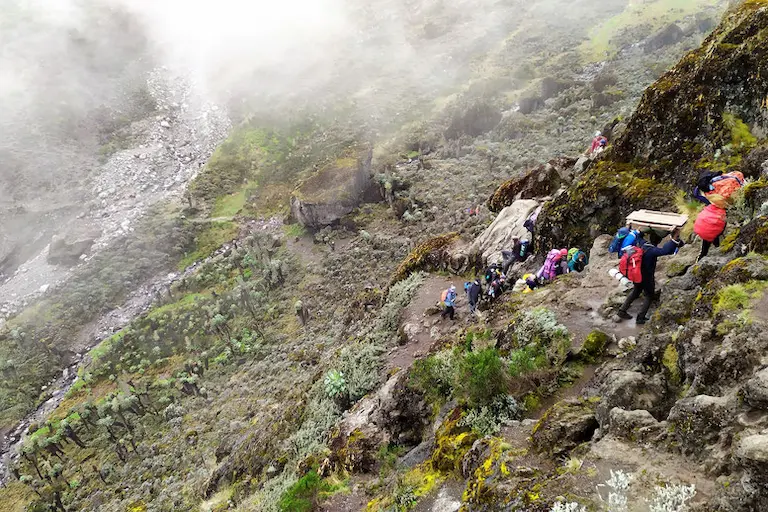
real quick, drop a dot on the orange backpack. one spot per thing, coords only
(723, 187)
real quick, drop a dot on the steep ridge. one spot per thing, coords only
(696, 116)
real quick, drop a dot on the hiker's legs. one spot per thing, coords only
(472, 307)
(704, 248)
(450, 311)
(636, 291)
(649, 291)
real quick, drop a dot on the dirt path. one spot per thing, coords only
(421, 340)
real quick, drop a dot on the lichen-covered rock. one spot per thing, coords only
(756, 390)
(752, 237)
(564, 426)
(539, 182)
(333, 191)
(637, 425)
(498, 236)
(751, 452)
(630, 390)
(733, 362)
(700, 421)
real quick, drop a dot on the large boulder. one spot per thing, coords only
(67, 246)
(636, 425)
(670, 34)
(536, 183)
(498, 236)
(332, 192)
(630, 390)
(565, 426)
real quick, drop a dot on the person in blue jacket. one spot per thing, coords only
(647, 287)
(449, 302)
(635, 237)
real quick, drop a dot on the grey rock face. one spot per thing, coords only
(630, 391)
(756, 390)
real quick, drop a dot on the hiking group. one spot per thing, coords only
(636, 246)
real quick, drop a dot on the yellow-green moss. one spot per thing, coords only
(670, 360)
(494, 467)
(737, 296)
(330, 182)
(16, 497)
(594, 345)
(741, 136)
(729, 241)
(452, 442)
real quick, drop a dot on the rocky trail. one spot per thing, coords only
(165, 152)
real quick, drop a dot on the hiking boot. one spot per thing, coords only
(624, 315)
(641, 320)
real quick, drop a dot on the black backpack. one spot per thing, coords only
(705, 180)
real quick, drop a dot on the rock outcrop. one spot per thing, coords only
(670, 34)
(333, 191)
(498, 236)
(67, 247)
(538, 182)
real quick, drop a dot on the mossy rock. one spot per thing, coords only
(541, 181)
(429, 255)
(564, 426)
(332, 192)
(599, 203)
(452, 442)
(594, 346)
(355, 453)
(677, 268)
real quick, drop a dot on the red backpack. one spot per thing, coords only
(631, 264)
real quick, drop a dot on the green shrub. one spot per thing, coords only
(540, 327)
(302, 496)
(527, 359)
(480, 377)
(335, 385)
(434, 375)
(487, 420)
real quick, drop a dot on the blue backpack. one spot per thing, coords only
(618, 240)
